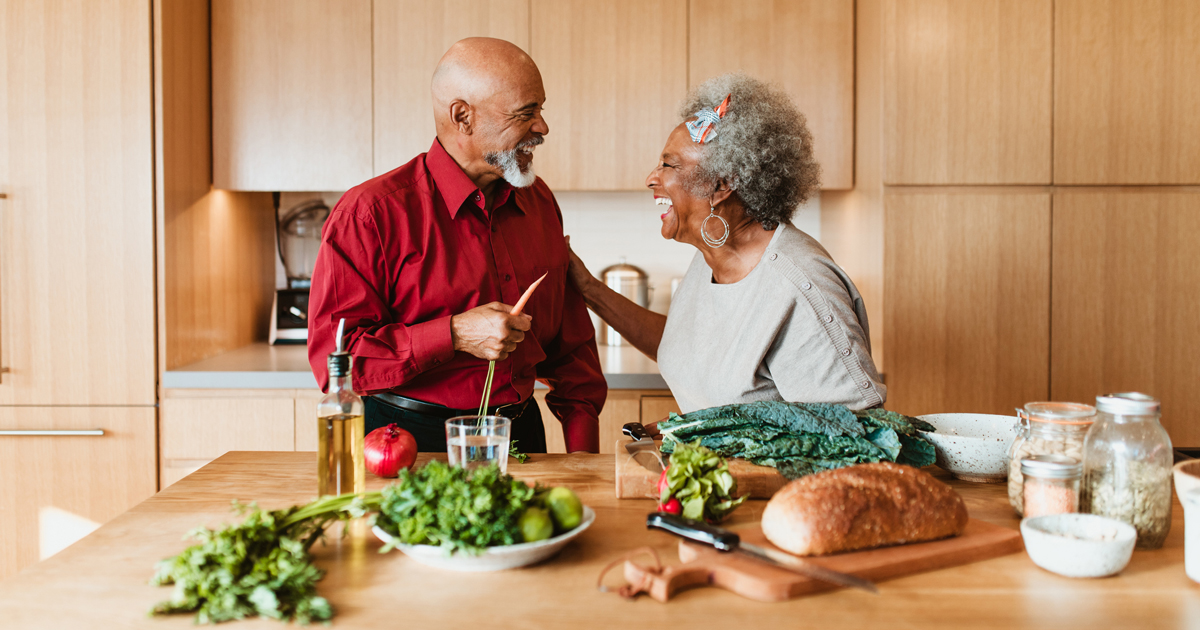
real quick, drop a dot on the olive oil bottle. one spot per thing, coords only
(340, 466)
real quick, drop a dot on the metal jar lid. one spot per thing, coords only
(1051, 467)
(1128, 404)
(1060, 412)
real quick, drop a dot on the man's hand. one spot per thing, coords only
(488, 331)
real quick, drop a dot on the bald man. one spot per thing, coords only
(425, 263)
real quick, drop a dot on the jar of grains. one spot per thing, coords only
(1127, 466)
(1051, 484)
(1046, 428)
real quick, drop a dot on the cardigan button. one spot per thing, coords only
(806, 286)
(774, 256)
(829, 319)
(846, 352)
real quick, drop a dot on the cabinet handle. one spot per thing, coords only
(54, 432)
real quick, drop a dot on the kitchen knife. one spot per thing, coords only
(727, 541)
(643, 448)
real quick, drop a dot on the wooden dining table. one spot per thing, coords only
(103, 581)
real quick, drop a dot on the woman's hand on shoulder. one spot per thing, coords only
(580, 276)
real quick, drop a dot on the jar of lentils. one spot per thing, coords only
(1127, 466)
(1046, 428)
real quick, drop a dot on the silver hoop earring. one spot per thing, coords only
(714, 242)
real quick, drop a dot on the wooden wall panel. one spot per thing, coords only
(90, 478)
(968, 312)
(968, 92)
(77, 228)
(1126, 273)
(1127, 92)
(804, 46)
(614, 73)
(410, 38)
(291, 94)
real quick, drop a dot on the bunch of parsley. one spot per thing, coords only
(260, 566)
(456, 509)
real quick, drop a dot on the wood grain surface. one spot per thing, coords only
(1126, 92)
(106, 574)
(755, 580)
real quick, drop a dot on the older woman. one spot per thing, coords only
(763, 312)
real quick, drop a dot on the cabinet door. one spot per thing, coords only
(967, 91)
(198, 426)
(77, 226)
(1126, 271)
(1126, 92)
(291, 94)
(804, 46)
(614, 73)
(410, 38)
(967, 316)
(57, 488)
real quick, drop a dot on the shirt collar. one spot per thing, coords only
(456, 188)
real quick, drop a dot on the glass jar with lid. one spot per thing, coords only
(1127, 466)
(1046, 428)
(1051, 484)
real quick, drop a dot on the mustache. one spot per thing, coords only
(532, 142)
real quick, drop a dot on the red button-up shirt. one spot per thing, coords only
(402, 253)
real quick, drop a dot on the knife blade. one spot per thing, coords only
(643, 449)
(726, 541)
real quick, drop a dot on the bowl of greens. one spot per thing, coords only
(478, 520)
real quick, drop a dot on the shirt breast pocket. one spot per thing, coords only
(546, 303)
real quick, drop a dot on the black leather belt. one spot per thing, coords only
(419, 406)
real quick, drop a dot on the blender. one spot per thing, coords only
(298, 234)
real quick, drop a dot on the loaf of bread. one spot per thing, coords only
(863, 506)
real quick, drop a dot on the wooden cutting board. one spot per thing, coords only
(635, 482)
(754, 580)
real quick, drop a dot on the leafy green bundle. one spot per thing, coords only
(700, 479)
(260, 566)
(454, 508)
(802, 438)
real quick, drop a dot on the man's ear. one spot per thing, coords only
(722, 192)
(462, 116)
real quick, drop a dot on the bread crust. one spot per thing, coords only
(860, 507)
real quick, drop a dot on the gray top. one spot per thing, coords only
(794, 329)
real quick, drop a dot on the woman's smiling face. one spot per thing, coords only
(684, 212)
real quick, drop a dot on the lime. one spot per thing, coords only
(535, 524)
(565, 508)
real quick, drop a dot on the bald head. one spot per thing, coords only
(477, 69)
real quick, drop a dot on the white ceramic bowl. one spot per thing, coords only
(493, 558)
(972, 446)
(1187, 477)
(1078, 545)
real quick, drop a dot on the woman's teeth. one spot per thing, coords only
(662, 201)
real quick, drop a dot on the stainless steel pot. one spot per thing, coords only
(631, 282)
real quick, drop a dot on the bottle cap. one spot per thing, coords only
(1051, 467)
(339, 364)
(1128, 404)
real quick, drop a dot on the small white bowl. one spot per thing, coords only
(972, 446)
(493, 558)
(1078, 545)
(1187, 477)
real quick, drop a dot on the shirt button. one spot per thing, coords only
(495, 228)
(507, 278)
(774, 256)
(829, 319)
(476, 197)
(846, 352)
(806, 286)
(866, 385)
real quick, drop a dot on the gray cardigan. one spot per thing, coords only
(793, 329)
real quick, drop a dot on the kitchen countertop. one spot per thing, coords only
(263, 366)
(101, 581)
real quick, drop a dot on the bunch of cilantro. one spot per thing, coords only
(260, 566)
(453, 508)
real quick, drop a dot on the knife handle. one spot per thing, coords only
(695, 531)
(635, 430)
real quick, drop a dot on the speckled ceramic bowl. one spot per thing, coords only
(1187, 476)
(1078, 545)
(972, 446)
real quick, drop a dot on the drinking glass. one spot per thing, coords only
(474, 441)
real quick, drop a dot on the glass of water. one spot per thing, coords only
(474, 441)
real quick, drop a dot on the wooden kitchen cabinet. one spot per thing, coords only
(77, 226)
(1126, 269)
(614, 74)
(967, 277)
(291, 94)
(1126, 92)
(54, 489)
(410, 37)
(967, 91)
(804, 46)
(197, 426)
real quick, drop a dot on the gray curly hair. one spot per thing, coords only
(763, 149)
